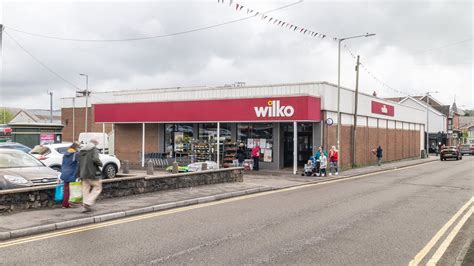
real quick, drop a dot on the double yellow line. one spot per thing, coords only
(445, 244)
(177, 210)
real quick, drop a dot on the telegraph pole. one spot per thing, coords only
(356, 102)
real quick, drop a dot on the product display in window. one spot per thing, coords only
(202, 152)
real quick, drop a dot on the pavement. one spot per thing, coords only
(383, 218)
(19, 224)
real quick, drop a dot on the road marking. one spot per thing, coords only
(444, 246)
(421, 255)
(180, 209)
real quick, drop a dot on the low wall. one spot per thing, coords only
(43, 197)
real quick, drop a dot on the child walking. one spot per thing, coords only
(323, 163)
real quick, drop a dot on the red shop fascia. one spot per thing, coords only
(294, 108)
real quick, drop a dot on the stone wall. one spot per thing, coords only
(43, 197)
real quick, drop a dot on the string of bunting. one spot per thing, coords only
(381, 82)
(277, 22)
(295, 28)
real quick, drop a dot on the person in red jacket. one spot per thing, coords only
(256, 157)
(333, 158)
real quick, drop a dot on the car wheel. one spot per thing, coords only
(56, 168)
(110, 171)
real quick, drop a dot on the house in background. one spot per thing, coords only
(466, 124)
(437, 118)
(36, 116)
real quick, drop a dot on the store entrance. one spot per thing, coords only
(304, 142)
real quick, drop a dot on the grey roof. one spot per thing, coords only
(466, 121)
(39, 115)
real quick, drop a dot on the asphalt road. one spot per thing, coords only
(385, 218)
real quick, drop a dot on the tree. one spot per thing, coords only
(5, 116)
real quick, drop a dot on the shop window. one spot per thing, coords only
(208, 132)
(178, 139)
(261, 134)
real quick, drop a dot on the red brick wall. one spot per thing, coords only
(80, 119)
(397, 144)
(128, 139)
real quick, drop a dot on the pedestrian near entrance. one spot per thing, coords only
(69, 170)
(256, 157)
(333, 158)
(379, 155)
(89, 173)
(241, 154)
(323, 163)
(317, 156)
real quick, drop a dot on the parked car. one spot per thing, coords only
(467, 149)
(19, 169)
(52, 156)
(450, 152)
(15, 146)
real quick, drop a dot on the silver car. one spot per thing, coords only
(19, 170)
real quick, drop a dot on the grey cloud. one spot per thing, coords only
(257, 52)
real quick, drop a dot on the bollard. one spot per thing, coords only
(149, 167)
(204, 167)
(126, 167)
(175, 167)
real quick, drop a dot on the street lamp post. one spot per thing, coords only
(428, 94)
(339, 91)
(87, 99)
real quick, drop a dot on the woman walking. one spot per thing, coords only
(69, 170)
(333, 158)
(256, 157)
(241, 154)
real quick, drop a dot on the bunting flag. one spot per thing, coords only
(280, 23)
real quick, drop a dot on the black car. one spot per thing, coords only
(452, 152)
(15, 146)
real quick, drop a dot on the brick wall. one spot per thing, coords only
(128, 141)
(80, 119)
(397, 144)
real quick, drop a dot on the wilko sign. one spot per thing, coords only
(296, 108)
(274, 109)
(383, 109)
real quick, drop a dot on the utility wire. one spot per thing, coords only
(444, 46)
(149, 37)
(41, 63)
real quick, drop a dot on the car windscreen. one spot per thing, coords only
(17, 159)
(42, 150)
(62, 150)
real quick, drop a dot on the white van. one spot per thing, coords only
(102, 138)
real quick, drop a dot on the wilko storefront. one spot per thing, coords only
(288, 121)
(192, 128)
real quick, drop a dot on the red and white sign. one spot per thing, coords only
(46, 138)
(299, 108)
(383, 109)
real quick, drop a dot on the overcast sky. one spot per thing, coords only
(419, 46)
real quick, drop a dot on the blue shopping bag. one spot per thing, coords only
(59, 192)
